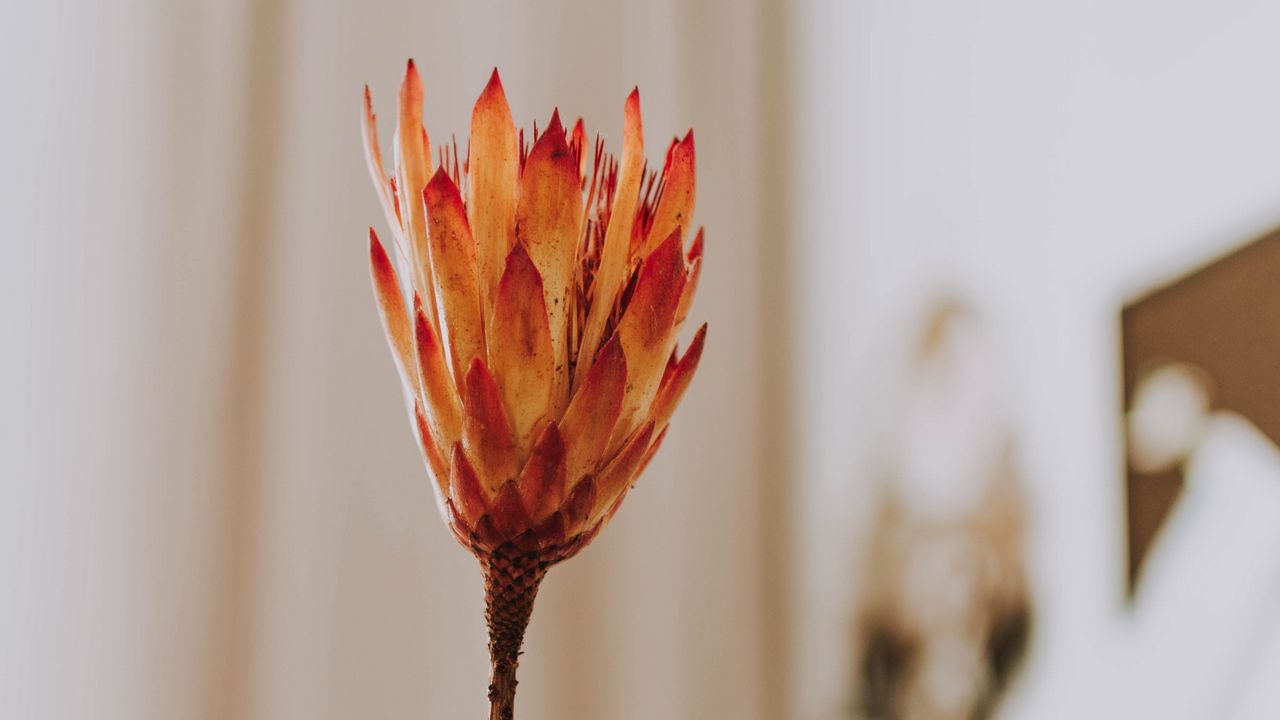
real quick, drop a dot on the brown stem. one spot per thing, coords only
(511, 580)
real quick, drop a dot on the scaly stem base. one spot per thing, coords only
(511, 580)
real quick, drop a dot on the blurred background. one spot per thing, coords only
(986, 424)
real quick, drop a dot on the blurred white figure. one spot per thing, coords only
(1206, 615)
(945, 612)
(1169, 415)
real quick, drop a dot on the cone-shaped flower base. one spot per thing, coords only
(511, 580)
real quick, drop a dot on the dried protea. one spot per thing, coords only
(532, 310)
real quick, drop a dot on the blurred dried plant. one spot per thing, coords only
(944, 613)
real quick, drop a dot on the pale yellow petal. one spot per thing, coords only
(547, 217)
(492, 170)
(521, 353)
(617, 239)
(453, 265)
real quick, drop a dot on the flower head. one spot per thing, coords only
(532, 305)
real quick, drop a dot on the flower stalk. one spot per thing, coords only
(511, 582)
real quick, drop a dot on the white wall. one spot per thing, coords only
(120, 136)
(1045, 161)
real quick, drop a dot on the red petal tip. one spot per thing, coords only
(519, 254)
(440, 183)
(578, 507)
(476, 370)
(631, 109)
(378, 253)
(694, 352)
(553, 142)
(493, 88)
(412, 84)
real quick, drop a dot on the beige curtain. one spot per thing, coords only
(211, 505)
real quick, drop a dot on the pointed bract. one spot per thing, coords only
(508, 512)
(465, 491)
(675, 206)
(673, 387)
(648, 454)
(435, 459)
(542, 481)
(551, 531)
(577, 144)
(395, 321)
(578, 506)
(621, 471)
(493, 166)
(413, 160)
(521, 355)
(547, 216)
(691, 280)
(373, 158)
(588, 423)
(486, 431)
(617, 239)
(444, 405)
(453, 265)
(646, 331)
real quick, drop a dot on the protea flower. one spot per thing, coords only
(532, 311)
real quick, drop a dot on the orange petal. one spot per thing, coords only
(577, 144)
(617, 238)
(675, 207)
(486, 432)
(373, 157)
(547, 216)
(542, 481)
(527, 541)
(691, 280)
(613, 508)
(646, 333)
(588, 423)
(493, 163)
(622, 470)
(648, 457)
(453, 262)
(487, 533)
(550, 531)
(465, 491)
(435, 460)
(521, 352)
(508, 512)
(462, 530)
(578, 507)
(695, 250)
(395, 320)
(444, 406)
(413, 160)
(673, 386)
